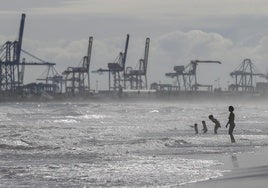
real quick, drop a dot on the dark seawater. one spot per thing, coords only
(128, 144)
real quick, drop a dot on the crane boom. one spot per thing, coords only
(20, 38)
(90, 42)
(125, 52)
(206, 61)
(88, 59)
(146, 54)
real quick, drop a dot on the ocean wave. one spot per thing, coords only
(154, 111)
(87, 116)
(23, 145)
(65, 121)
(143, 171)
(178, 143)
(93, 116)
(15, 147)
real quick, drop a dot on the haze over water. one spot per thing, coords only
(87, 144)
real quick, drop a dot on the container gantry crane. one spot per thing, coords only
(10, 52)
(52, 81)
(77, 79)
(11, 68)
(116, 69)
(244, 76)
(186, 76)
(138, 78)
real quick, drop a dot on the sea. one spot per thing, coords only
(143, 143)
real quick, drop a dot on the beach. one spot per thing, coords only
(246, 169)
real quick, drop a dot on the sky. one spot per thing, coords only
(180, 31)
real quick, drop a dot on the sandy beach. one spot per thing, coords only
(247, 170)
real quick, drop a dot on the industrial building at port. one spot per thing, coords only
(122, 80)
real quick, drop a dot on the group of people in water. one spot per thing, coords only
(218, 125)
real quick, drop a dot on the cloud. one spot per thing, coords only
(151, 8)
(12, 6)
(194, 44)
(179, 48)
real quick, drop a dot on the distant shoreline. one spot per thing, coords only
(194, 96)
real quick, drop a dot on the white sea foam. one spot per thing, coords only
(65, 121)
(93, 116)
(154, 111)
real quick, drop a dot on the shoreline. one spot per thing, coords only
(247, 170)
(133, 95)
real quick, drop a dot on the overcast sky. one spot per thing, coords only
(180, 31)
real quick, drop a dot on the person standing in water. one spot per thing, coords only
(231, 123)
(217, 123)
(205, 129)
(195, 128)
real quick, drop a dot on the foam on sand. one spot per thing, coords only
(247, 170)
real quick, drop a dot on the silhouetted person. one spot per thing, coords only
(217, 123)
(231, 123)
(195, 128)
(205, 129)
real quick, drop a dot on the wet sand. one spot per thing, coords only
(245, 170)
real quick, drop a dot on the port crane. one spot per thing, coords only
(11, 67)
(244, 76)
(137, 78)
(53, 80)
(10, 52)
(186, 76)
(116, 70)
(77, 79)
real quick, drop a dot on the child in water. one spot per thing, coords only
(217, 123)
(195, 128)
(231, 123)
(205, 129)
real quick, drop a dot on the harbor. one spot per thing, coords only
(124, 81)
